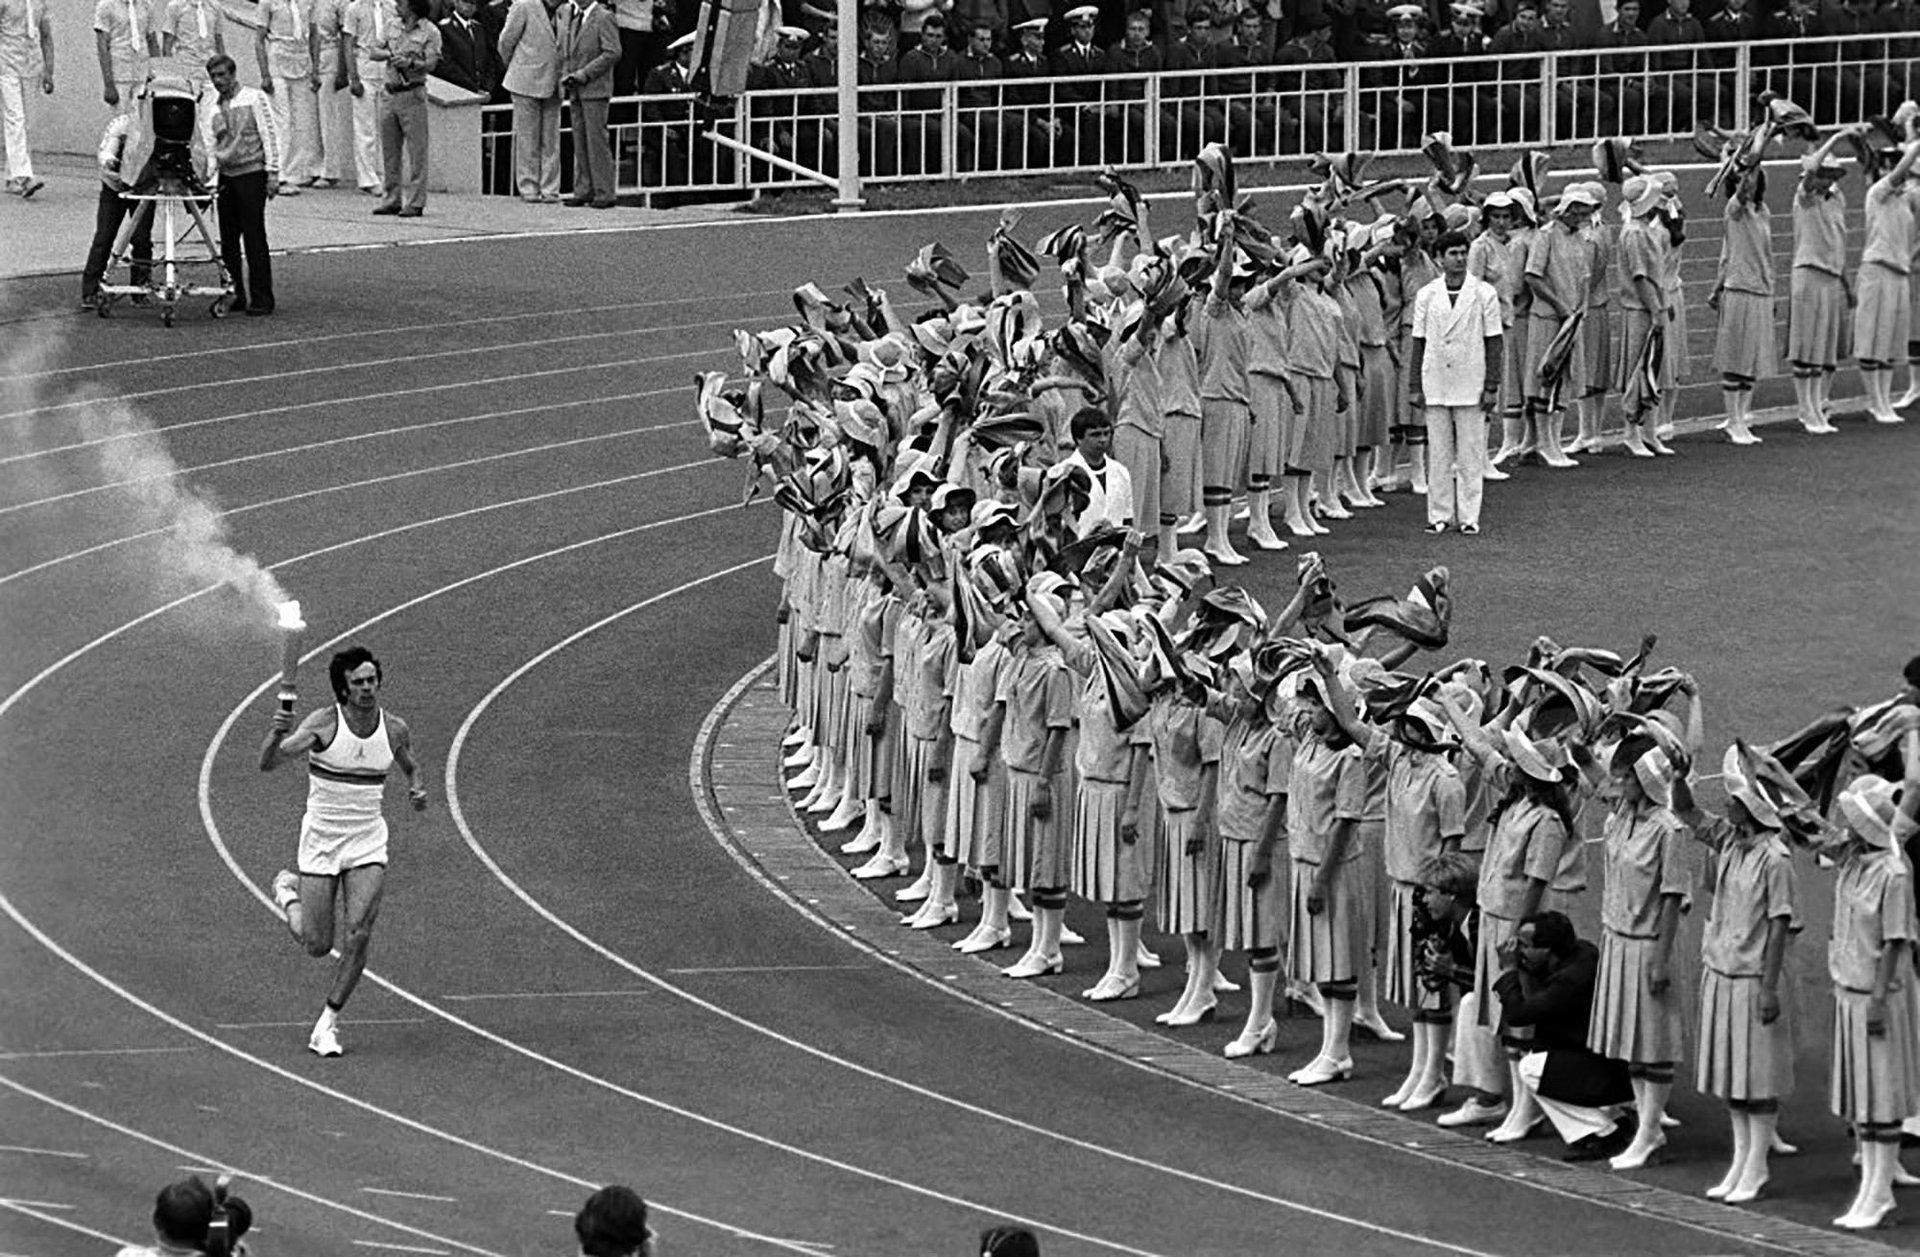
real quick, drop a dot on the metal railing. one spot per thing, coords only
(960, 130)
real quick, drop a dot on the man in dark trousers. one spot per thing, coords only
(246, 148)
(1545, 990)
(589, 51)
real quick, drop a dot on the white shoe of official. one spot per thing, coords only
(324, 1041)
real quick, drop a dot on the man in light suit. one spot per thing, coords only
(530, 49)
(1456, 374)
(589, 51)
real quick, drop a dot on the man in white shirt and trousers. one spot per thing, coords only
(1456, 369)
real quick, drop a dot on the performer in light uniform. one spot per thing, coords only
(350, 749)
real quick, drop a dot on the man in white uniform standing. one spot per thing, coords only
(1457, 341)
(350, 748)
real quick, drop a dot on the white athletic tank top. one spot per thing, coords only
(347, 778)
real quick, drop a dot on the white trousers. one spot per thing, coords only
(13, 124)
(366, 122)
(1456, 463)
(129, 88)
(336, 120)
(1574, 1122)
(296, 107)
(536, 146)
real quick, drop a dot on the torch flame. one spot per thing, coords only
(290, 615)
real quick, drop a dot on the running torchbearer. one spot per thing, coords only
(350, 748)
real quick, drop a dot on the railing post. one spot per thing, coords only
(1150, 124)
(1549, 98)
(949, 131)
(740, 132)
(1350, 93)
(1743, 91)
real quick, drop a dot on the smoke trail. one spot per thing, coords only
(193, 548)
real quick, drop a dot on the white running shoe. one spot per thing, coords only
(324, 1041)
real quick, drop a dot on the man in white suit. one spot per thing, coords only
(1456, 374)
(530, 49)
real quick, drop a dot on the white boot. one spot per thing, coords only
(1260, 532)
(1217, 547)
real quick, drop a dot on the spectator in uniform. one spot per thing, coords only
(775, 121)
(1734, 23)
(1027, 111)
(1083, 121)
(1180, 110)
(1620, 93)
(411, 51)
(1463, 45)
(467, 56)
(1318, 124)
(966, 14)
(530, 47)
(1402, 101)
(674, 154)
(589, 51)
(26, 56)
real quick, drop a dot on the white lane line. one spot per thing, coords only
(37, 1204)
(772, 969)
(288, 450)
(389, 478)
(404, 360)
(302, 1025)
(214, 836)
(227, 351)
(493, 995)
(351, 400)
(365, 1106)
(399, 1248)
(55, 1053)
(458, 815)
(389, 1191)
(47, 942)
(43, 1152)
(54, 1219)
(39, 678)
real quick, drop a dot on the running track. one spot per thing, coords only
(464, 455)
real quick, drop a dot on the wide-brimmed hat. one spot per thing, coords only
(1640, 195)
(1425, 727)
(1541, 760)
(1869, 807)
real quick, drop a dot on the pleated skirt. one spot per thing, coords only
(1266, 437)
(976, 810)
(1883, 317)
(1679, 341)
(869, 758)
(1179, 467)
(1105, 869)
(1494, 933)
(1600, 343)
(1251, 919)
(1316, 428)
(1038, 852)
(1403, 954)
(830, 697)
(1743, 343)
(1541, 329)
(1740, 1057)
(1224, 433)
(1629, 1022)
(1875, 1078)
(920, 805)
(1373, 414)
(1816, 310)
(1325, 947)
(1187, 899)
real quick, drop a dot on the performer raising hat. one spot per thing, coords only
(1818, 291)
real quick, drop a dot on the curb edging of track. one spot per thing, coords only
(734, 776)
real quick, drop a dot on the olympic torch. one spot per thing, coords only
(291, 628)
